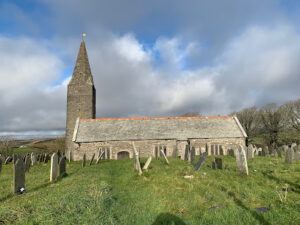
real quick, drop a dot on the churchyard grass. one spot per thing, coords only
(26, 150)
(112, 192)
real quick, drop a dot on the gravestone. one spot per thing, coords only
(83, 160)
(192, 154)
(18, 177)
(91, 162)
(8, 159)
(46, 158)
(218, 162)
(100, 156)
(62, 166)
(15, 158)
(294, 147)
(264, 151)
(147, 163)
(213, 165)
(156, 151)
(27, 163)
(33, 159)
(186, 152)
(201, 160)
(137, 160)
(289, 155)
(250, 152)
(165, 157)
(297, 155)
(221, 150)
(54, 165)
(285, 148)
(241, 160)
(278, 151)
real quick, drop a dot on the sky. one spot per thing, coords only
(148, 58)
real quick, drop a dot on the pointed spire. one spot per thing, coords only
(82, 71)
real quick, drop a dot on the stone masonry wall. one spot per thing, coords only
(146, 148)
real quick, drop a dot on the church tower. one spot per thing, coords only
(81, 96)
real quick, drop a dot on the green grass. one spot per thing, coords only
(27, 150)
(113, 193)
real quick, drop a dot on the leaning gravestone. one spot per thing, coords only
(15, 158)
(54, 165)
(19, 177)
(201, 160)
(62, 166)
(33, 159)
(8, 159)
(91, 162)
(241, 160)
(147, 163)
(289, 155)
(165, 157)
(83, 160)
(27, 163)
(70, 156)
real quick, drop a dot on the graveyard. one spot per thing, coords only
(113, 192)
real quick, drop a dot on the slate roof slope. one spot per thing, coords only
(179, 128)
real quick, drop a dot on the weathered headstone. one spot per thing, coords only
(250, 152)
(19, 177)
(285, 148)
(54, 167)
(201, 160)
(165, 157)
(33, 159)
(46, 158)
(213, 165)
(192, 154)
(219, 164)
(91, 162)
(294, 147)
(278, 151)
(137, 160)
(289, 155)
(156, 151)
(186, 152)
(241, 160)
(83, 160)
(147, 163)
(15, 158)
(100, 156)
(27, 163)
(62, 166)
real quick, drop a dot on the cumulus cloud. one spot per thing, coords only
(28, 101)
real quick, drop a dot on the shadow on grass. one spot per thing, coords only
(271, 177)
(255, 214)
(167, 219)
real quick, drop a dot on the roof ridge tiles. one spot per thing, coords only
(158, 118)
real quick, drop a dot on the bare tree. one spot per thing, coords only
(6, 145)
(272, 119)
(249, 119)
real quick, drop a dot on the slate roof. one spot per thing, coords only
(155, 128)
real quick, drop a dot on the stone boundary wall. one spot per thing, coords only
(146, 148)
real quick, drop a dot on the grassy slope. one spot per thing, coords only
(113, 193)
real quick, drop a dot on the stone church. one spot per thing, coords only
(86, 134)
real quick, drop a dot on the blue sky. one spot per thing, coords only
(148, 58)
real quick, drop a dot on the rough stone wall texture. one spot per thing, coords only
(146, 147)
(81, 96)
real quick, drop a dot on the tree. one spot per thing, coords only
(249, 120)
(292, 113)
(6, 145)
(272, 119)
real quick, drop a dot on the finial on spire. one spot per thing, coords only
(83, 35)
